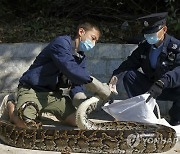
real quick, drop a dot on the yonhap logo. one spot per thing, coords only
(133, 140)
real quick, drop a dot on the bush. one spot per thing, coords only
(40, 20)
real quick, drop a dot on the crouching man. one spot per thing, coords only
(59, 65)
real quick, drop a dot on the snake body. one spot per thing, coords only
(108, 137)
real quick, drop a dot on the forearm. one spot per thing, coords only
(171, 79)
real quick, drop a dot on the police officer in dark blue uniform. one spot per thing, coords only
(159, 59)
(59, 65)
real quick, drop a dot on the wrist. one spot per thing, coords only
(160, 84)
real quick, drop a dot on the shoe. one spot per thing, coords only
(3, 108)
(174, 122)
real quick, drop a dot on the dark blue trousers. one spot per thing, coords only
(137, 83)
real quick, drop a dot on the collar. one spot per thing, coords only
(165, 43)
(160, 46)
(79, 54)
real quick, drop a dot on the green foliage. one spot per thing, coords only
(41, 20)
(174, 17)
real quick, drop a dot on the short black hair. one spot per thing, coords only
(89, 25)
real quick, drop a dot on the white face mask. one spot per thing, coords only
(152, 38)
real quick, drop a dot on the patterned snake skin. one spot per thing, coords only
(109, 137)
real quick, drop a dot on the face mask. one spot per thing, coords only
(152, 38)
(86, 45)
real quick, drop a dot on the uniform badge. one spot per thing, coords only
(146, 24)
(143, 56)
(171, 56)
(174, 46)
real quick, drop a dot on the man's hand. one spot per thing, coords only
(99, 88)
(156, 89)
(112, 84)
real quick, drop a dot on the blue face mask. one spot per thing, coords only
(152, 38)
(86, 45)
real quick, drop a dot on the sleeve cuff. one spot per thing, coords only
(75, 90)
(165, 82)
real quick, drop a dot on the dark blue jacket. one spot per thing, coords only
(52, 63)
(168, 63)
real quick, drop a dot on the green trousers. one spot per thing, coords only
(48, 102)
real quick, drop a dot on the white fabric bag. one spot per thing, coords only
(133, 109)
(136, 109)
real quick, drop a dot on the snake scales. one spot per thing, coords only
(109, 137)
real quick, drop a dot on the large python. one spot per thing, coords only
(108, 137)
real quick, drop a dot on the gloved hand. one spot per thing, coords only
(99, 88)
(112, 85)
(156, 89)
